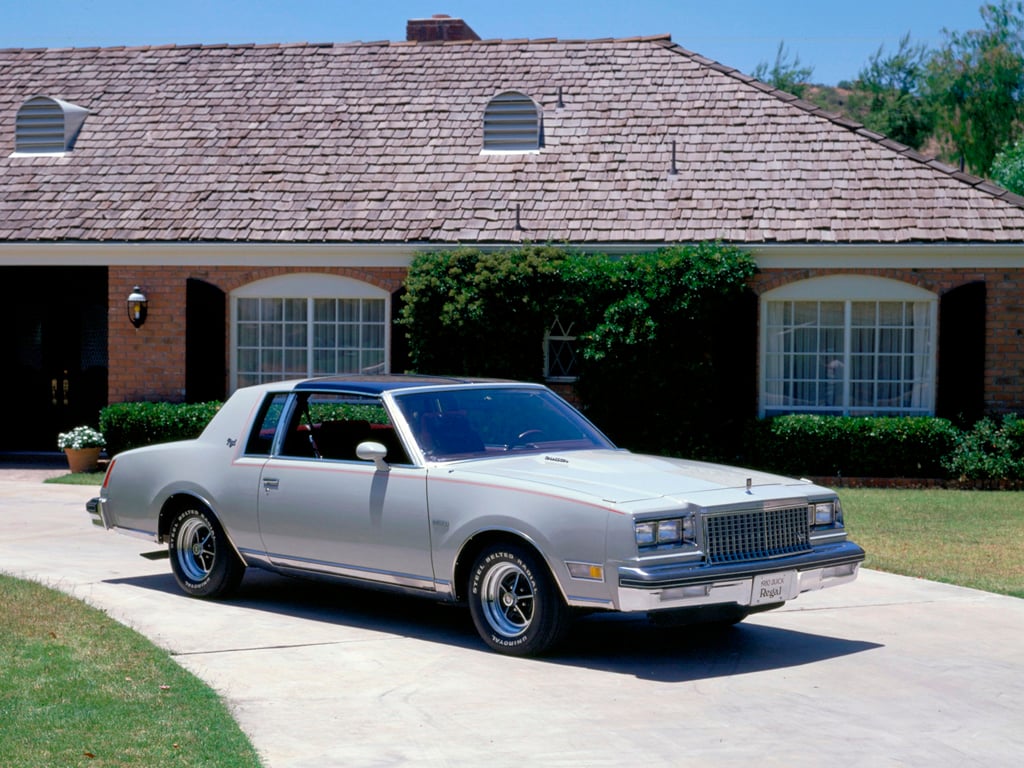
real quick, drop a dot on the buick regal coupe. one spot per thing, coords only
(493, 493)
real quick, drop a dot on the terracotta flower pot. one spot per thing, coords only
(83, 459)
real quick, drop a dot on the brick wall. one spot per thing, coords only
(148, 363)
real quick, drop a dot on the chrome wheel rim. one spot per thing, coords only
(196, 548)
(508, 600)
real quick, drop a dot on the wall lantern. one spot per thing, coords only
(137, 306)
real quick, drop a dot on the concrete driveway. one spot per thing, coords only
(890, 671)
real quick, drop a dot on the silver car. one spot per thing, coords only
(499, 494)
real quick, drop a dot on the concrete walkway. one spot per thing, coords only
(889, 671)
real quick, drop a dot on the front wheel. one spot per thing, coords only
(514, 601)
(202, 559)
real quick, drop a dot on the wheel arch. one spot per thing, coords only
(181, 500)
(476, 543)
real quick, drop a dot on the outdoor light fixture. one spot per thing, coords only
(137, 304)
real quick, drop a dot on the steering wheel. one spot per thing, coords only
(527, 437)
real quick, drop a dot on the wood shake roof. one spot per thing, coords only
(643, 142)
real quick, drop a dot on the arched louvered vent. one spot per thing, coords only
(512, 123)
(46, 125)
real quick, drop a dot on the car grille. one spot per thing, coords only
(755, 534)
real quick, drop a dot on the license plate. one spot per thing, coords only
(774, 587)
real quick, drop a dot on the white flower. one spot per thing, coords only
(80, 437)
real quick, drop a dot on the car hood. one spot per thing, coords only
(620, 477)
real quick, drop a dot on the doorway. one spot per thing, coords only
(55, 372)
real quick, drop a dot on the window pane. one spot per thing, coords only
(324, 310)
(324, 362)
(832, 313)
(248, 310)
(271, 335)
(248, 334)
(324, 336)
(862, 313)
(890, 313)
(886, 370)
(295, 310)
(805, 313)
(274, 342)
(271, 309)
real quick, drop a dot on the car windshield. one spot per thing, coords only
(485, 421)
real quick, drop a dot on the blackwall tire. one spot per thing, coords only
(515, 604)
(202, 559)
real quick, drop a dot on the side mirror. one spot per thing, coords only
(375, 452)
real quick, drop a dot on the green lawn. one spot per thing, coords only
(79, 689)
(971, 538)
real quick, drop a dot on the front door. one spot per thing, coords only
(55, 376)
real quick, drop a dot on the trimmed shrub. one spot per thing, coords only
(832, 446)
(992, 450)
(131, 425)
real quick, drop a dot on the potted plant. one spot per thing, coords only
(82, 446)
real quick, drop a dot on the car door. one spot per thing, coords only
(322, 509)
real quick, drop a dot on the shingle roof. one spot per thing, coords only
(644, 141)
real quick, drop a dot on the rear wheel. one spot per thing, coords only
(202, 559)
(515, 603)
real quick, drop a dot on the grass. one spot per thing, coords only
(970, 538)
(80, 689)
(77, 478)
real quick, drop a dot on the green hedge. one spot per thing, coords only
(799, 444)
(919, 447)
(833, 446)
(992, 450)
(131, 425)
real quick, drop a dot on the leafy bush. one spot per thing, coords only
(130, 425)
(992, 450)
(830, 446)
(646, 326)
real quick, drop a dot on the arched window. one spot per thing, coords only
(848, 345)
(47, 126)
(303, 325)
(512, 123)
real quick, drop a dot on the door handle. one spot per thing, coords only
(271, 484)
(53, 390)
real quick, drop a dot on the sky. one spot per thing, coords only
(835, 37)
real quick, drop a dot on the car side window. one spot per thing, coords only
(329, 425)
(261, 439)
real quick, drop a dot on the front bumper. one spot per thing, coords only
(671, 587)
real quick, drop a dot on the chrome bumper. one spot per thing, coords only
(95, 508)
(683, 586)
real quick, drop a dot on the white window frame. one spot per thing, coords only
(308, 287)
(559, 334)
(851, 289)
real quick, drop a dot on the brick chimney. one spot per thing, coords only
(438, 28)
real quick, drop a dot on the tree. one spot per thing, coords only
(785, 74)
(975, 84)
(1008, 168)
(887, 94)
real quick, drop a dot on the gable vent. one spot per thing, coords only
(512, 123)
(47, 126)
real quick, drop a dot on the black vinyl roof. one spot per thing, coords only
(376, 384)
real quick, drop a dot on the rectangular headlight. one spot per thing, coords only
(670, 531)
(646, 533)
(824, 514)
